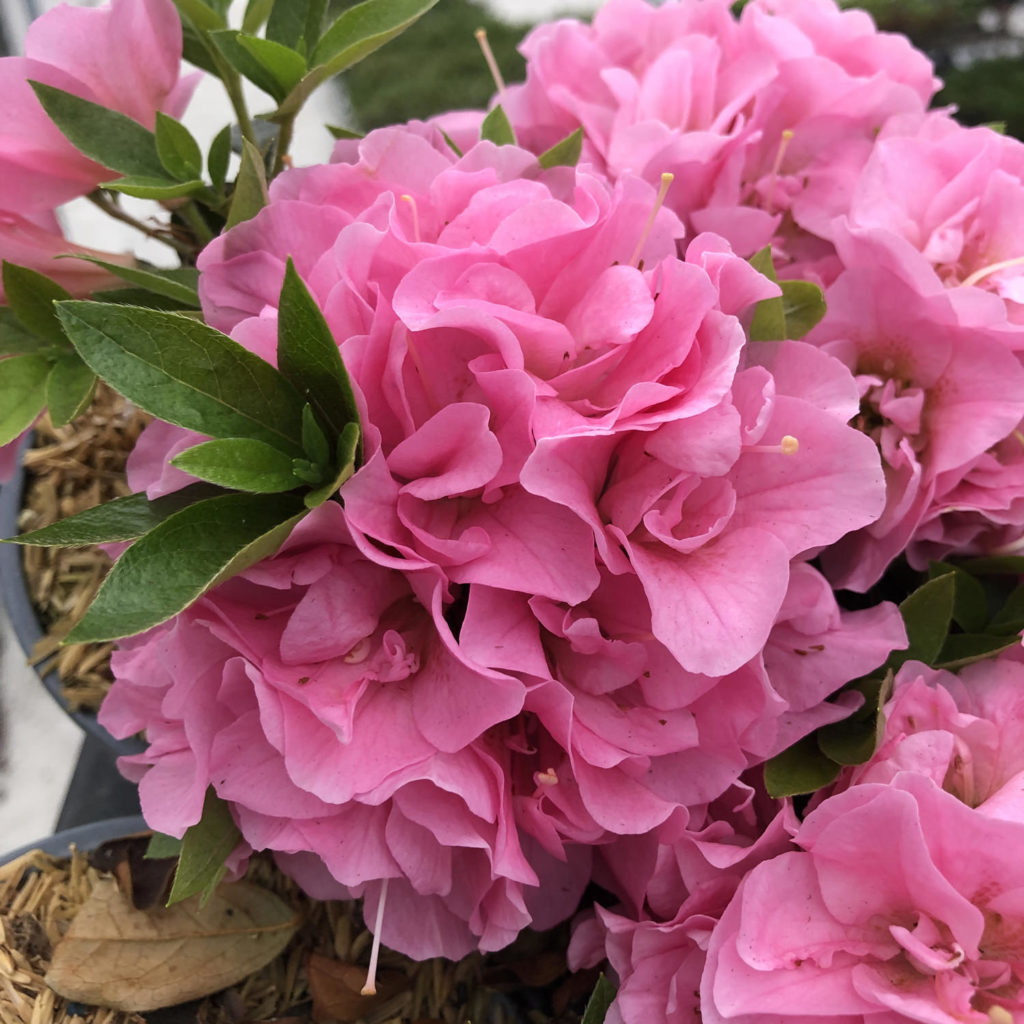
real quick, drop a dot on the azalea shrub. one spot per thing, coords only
(616, 491)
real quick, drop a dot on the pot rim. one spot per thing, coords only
(85, 837)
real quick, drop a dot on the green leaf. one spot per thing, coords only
(69, 388)
(600, 1000)
(497, 128)
(121, 519)
(348, 444)
(199, 50)
(803, 305)
(451, 143)
(345, 133)
(308, 355)
(183, 288)
(240, 463)
(174, 564)
(314, 441)
(272, 67)
(200, 14)
(127, 296)
(178, 151)
(154, 188)
(927, 614)
(110, 138)
(996, 565)
(219, 157)
(15, 340)
(22, 393)
(1010, 617)
(204, 849)
(565, 153)
(769, 321)
(297, 23)
(250, 195)
(970, 602)
(31, 296)
(355, 34)
(800, 769)
(162, 847)
(256, 13)
(966, 648)
(184, 372)
(853, 740)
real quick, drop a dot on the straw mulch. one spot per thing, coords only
(71, 468)
(526, 984)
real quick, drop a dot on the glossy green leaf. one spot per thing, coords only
(128, 296)
(154, 188)
(121, 519)
(250, 195)
(348, 445)
(996, 565)
(256, 14)
(202, 15)
(178, 151)
(355, 34)
(161, 847)
(966, 648)
(69, 388)
(769, 321)
(198, 49)
(343, 133)
(970, 602)
(219, 157)
(297, 23)
(22, 393)
(800, 769)
(565, 153)
(497, 128)
(314, 441)
(853, 739)
(174, 564)
(182, 284)
(599, 1002)
(184, 372)
(803, 307)
(15, 340)
(204, 849)
(1010, 617)
(108, 137)
(30, 296)
(240, 463)
(927, 614)
(274, 68)
(308, 355)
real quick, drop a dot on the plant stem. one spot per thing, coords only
(165, 235)
(284, 140)
(192, 216)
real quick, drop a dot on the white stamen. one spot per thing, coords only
(360, 652)
(992, 268)
(548, 777)
(492, 64)
(415, 215)
(370, 988)
(789, 445)
(666, 181)
(999, 1015)
(787, 138)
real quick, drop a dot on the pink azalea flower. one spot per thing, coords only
(326, 700)
(125, 56)
(901, 903)
(937, 393)
(772, 113)
(965, 732)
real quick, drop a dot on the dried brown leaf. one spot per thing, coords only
(335, 987)
(116, 956)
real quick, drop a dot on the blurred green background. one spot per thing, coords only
(437, 66)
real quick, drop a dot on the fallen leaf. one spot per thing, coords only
(335, 987)
(145, 881)
(136, 960)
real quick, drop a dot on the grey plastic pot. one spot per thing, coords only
(23, 616)
(84, 837)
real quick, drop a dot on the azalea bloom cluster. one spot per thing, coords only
(582, 583)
